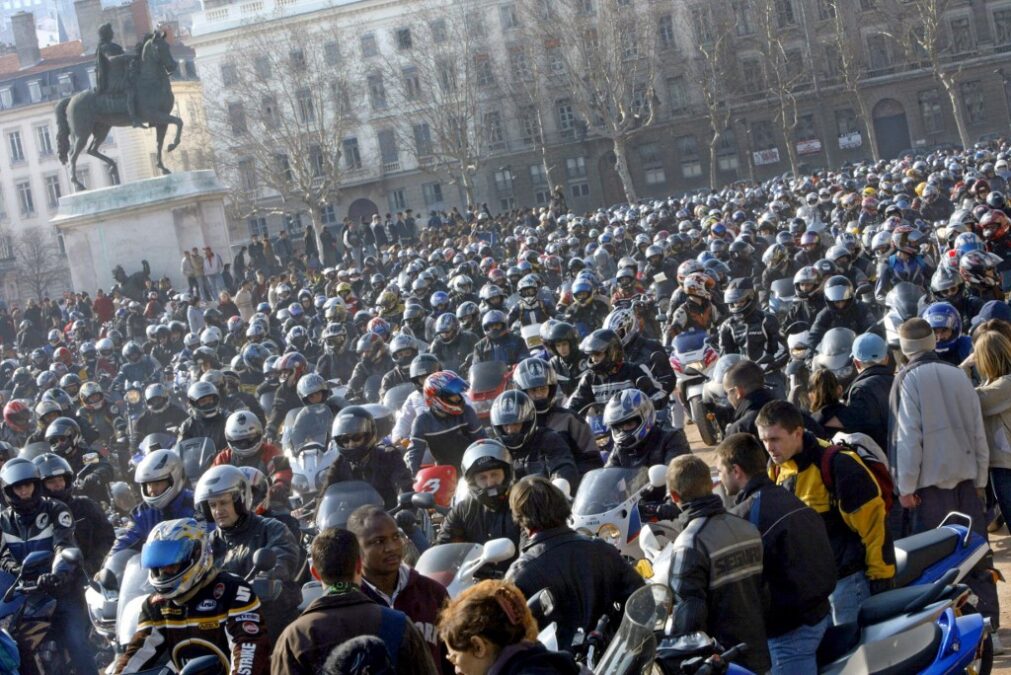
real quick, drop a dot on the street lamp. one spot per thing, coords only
(1004, 80)
(748, 148)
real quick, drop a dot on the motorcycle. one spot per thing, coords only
(607, 505)
(102, 596)
(460, 566)
(692, 361)
(307, 447)
(901, 303)
(487, 380)
(198, 455)
(925, 557)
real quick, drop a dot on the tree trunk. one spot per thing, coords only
(712, 157)
(621, 166)
(956, 108)
(791, 148)
(865, 115)
(468, 188)
(316, 219)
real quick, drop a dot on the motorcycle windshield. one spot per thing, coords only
(133, 588)
(633, 648)
(690, 341)
(309, 425)
(157, 441)
(441, 563)
(903, 299)
(397, 396)
(604, 489)
(783, 289)
(33, 450)
(197, 455)
(486, 376)
(341, 499)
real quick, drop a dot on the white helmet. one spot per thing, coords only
(223, 480)
(244, 433)
(160, 465)
(210, 336)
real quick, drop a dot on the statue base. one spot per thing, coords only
(154, 220)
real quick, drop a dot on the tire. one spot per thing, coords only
(984, 664)
(707, 429)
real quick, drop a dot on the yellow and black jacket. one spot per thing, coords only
(854, 512)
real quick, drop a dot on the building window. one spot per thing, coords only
(412, 83)
(578, 190)
(530, 124)
(293, 223)
(585, 8)
(377, 92)
(306, 110)
(404, 41)
(369, 46)
(784, 13)
(665, 31)
(538, 176)
(702, 24)
(519, 64)
(237, 117)
(438, 29)
(507, 13)
(262, 67)
(972, 99)
(742, 17)
(687, 149)
(483, 70)
(432, 193)
(270, 114)
(388, 152)
(961, 35)
(475, 25)
(566, 118)
(328, 214)
(283, 167)
(805, 130)
(397, 200)
(316, 162)
(656, 176)
(352, 155)
(6, 97)
(507, 203)
(44, 140)
(229, 75)
(17, 149)
(422, 140)
(247, 174)
(1002, 26)
(556, 61)
(751, 76)
(25, 200)
(257, 226)
(66, 84)
(726, 151)
(297, 56)
(649, 154)
(542, 196)
(504, 181)
(677, 94)
(446, 69)
(877, 49)
(762, 135)
(493, 130)
(575, 167)
(846, 122)
(930, 110)
(53, 191)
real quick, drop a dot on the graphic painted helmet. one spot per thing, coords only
(444, 392)
(623, 322)
(630, 416)
(534, 373)
(178, 556)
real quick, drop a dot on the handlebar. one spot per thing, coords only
(717, 663)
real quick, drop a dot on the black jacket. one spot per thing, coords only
(716, 578)
(158, 423)
(510, 349)
(453, 354)
(469, 521)
(576, 432)
(200, 427)
(545, 454)
(557, 559)
(791, 532)
(285, 399)
(866, 408)
(747, 411)
(660, 447)
(858, 317)
(391, 379)
(533, 658)
(650, 353)
(336, 366)
(754, 335)
(363, 371)
(93, 532)
(596, 388)
(384, 469)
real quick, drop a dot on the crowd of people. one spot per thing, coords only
(897, 270)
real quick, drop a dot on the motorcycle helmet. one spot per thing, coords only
(204, 399)
(603, 350)
(46, 380)
(297, 337)
(39, 358)
(403, 349)
(696, 285)
(946, 323)
(444, 392)
(259, 487)
(178, 556)
(61, 399)
(63, 356)
(775, 256)
(52, 466)
(447, 327)
(253, 355)
(561, 333)
(740, 296)
(71, 383)
(334, 337)
(223, 480)
(979, 268)
(946, 282)
(371, 347)
(468, 313)
(422, 366)
(488, 455)
(290, 367)
(354, 433)
(494, 323)
(17, 416)
(160, 465)
(807, 281)
(630, 416)
(244, 433)
(20, 471)
(968, 241)
(311, 384)
(839, 292)
(513, 408)
(63, 436)
(156, 397)
(439, 302)
(534, 373)
(45, 413)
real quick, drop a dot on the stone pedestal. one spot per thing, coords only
(154, 220)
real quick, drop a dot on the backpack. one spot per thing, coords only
(869, 454)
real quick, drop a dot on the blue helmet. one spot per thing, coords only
(943, 315)
(625, 408)
(439, 301)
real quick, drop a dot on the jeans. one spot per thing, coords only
(796, 652)
(850, 592)
(1000, 483)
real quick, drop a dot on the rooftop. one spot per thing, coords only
(56, 56)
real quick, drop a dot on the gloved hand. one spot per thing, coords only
(50, 583)
(881, 585)
(280, 463)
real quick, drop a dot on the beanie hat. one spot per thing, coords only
(916, 336)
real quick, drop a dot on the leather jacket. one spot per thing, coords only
(510, 349)
(453, 354)
(470, 521)
(205, 427)
(383, 468)
(659, 447)
(754, 335)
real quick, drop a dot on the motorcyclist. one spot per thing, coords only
(93, 530)
(16, 425)
(533, 307)
(638, 441)
(447, 427)
(234, 397)
(842, 310)
(484, 514)
(205, 419)
(101, 414)
(422, 366)
(539, 381)
(952, 346)
(374, 362)
(247, 447)
(161, 481)
(289, 368)
(224, 497)
(161, 414)
(748, 330)
(336, 363)
(403, 349)
(137, 366)
(363, 457)
(94, 471)
(807, 287)
(223, 615)
(587, 310)
(452, 344)
(498, 344)
(697, 310)
(905, 264)
(535, 450)
(561, 340)
(642, 351)
(32, 522)
(609, 373)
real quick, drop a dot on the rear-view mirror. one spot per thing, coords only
(658, 476)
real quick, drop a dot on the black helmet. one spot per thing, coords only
(51, 466)
(562, 331)
(740, 296)
(132, 352)
(533, 373)
(403, 349)
(354, 433)
(608, 345)
(17, 472)
(486, 455)
(422, 366)
(63, 435)
(513, 407)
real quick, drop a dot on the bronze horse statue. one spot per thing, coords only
(90, 115)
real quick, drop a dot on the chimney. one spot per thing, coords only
(26, 40)
(89, 18)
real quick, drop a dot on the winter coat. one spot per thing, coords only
(995, 404)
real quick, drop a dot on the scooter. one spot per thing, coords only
(307, 447)
(692, 361)
(460, 566)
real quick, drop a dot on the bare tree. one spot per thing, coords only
(281, 113)
(448, 102)
(41, 267)
(527, 85)
(603, 60)
(919, 27)
(850, 64)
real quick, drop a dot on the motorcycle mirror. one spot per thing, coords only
(658, 476)
(404, 499)
(423, 500)
(563, 485)
(107, 580)
(72, 556)
(542, 602)
(264, 560)
(498, 550)
(405, 520)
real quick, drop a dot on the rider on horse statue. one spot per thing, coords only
(106, 50)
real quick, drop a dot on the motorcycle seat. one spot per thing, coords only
(913, 555)
(884, 606)
(915, 654)
(837, 642)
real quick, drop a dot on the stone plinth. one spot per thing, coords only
(153, 220)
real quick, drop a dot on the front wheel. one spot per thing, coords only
(705, 424)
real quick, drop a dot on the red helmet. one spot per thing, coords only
(994, 225)
(63, 355)
(444, 392)
(380, 327)
(294, 362)
(17, 416)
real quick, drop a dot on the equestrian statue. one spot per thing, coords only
(133, 90)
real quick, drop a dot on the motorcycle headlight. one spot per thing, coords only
(133, 397)
(610, 533)
(584, 531)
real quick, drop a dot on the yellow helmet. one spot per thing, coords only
(177, 556)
